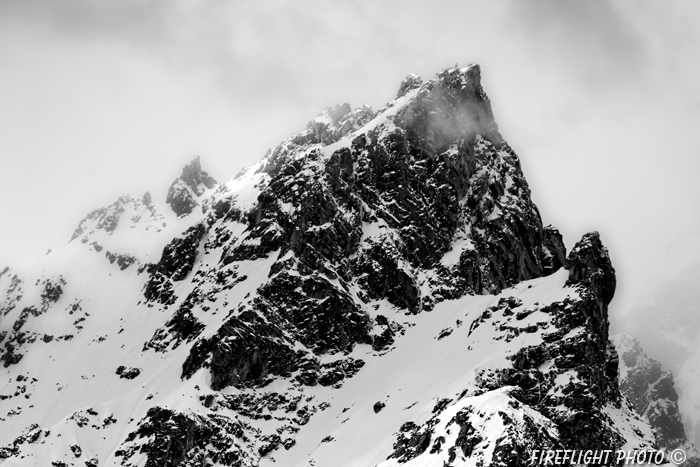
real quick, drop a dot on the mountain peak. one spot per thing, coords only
(192, 183)
(409, 83)
(451, 105)
(379, 288)
(468, 78)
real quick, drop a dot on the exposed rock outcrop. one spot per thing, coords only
(186, 189)
(176, 262)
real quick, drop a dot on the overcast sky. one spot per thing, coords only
(600, 100)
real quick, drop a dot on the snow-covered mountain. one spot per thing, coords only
(652, 392)
(378, 290)
(666, 319)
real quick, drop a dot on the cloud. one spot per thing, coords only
(87, 20)
(236, 44)
(598, 41)
(270, 52)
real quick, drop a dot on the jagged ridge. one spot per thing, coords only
(315, 269)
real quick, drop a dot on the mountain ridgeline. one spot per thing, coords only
(425, 179)
(378, 290)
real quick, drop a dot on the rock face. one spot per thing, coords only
(379, 289)
(651, 391)
(556, 392)
(436, 171)
(176, 262)
(183, 193)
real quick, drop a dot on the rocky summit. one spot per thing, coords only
(378, 290)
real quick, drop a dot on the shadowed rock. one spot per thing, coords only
(192, 183)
